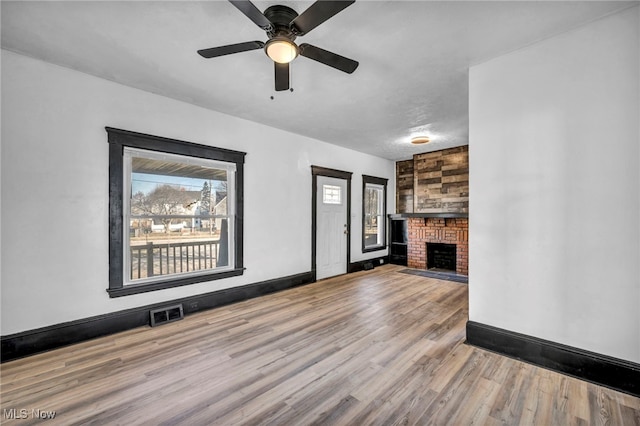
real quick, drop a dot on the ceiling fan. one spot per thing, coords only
(282, 25)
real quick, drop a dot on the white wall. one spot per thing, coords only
(55, 190)
(555, 189)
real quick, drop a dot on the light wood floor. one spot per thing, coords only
(375, 347)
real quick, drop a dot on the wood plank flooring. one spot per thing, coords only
(371, 348)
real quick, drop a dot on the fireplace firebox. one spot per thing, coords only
(441, 256)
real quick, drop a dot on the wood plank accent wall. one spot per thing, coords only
(437, 181)
(404, 186)
(441, 181)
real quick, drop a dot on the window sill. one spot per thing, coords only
(376, 248)
(144, 288)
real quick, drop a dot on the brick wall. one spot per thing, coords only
(437, 230)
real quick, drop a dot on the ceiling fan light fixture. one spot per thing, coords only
(419, 140)
(281, 50)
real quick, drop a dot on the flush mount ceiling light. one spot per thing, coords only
(281, 50)
(419, 140)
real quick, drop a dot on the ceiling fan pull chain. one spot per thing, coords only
(291, 74)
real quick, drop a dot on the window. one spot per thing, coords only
(175, 213)
(374, 208)
(331, 194)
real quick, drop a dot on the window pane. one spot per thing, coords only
(373, 216)
(331, 194)
(179, 215)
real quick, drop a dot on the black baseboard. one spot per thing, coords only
(47, 338)
(603, 370)
(363, 265)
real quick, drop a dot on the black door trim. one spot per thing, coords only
(324, 171)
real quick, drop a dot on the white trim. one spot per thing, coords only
(230, 168)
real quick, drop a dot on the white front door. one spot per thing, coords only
(331, 229)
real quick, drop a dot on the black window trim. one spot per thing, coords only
(118, 139)
(376, 181)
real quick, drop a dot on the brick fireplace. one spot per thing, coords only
(425, 230)
(432, 202)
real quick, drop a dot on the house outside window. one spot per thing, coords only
(374, 206)
(180, 206)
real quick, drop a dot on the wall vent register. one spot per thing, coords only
(165, 315)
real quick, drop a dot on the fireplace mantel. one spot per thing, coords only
(443, 215)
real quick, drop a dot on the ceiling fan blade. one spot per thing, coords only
(328, 58)
(230, 48)
(253, 13)
(317, 13)
(282, 76)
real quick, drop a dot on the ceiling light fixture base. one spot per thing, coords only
(420, 140)
(281, 49)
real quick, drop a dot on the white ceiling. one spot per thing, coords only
(412, 79)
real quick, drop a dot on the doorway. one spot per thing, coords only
(331, 223)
